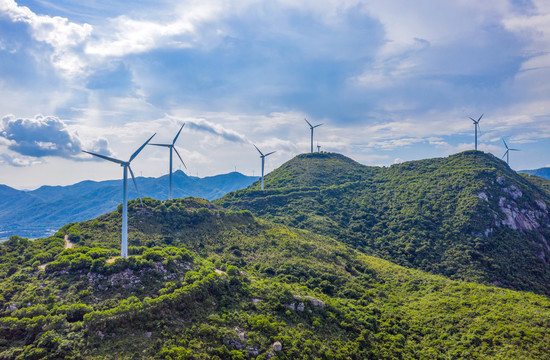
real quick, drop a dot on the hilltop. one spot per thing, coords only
(467, 216)
(203, 282)
(42, 211)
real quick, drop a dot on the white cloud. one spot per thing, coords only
(18, 161)
(62, 35)
(45, 136)
(216, 129)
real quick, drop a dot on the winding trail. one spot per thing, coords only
(68, 245)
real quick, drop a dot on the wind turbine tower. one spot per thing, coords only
(476, 127)
(312, 127)
(507, 153)
(172, 147)
(318, 148)
(126, 166)
(263, 162)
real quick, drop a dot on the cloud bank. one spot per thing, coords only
(43, 136)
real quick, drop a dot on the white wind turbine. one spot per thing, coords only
(172, 147)
(312, 127)
(476, 127)
(507, 153)
(126, 166)
(263, 162)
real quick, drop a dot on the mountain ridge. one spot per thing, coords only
(541, 172)
(467, 216)
(42, 211)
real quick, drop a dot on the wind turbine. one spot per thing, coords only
(263, 161)
(172, 147)
(476, 127)
(507, 153)
(312, 127)
(126, 166)
(318, 148)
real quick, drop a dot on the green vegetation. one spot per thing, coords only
(207, 283)
(468, 216)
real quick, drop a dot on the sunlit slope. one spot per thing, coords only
(467, 216)
(207, 283)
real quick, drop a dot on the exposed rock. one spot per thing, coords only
(316, 302)
(235, 344)
(542, 205)
(291, 306)
(148, 334)
(277, 346)
(12, 307)
(513, 191)
(483, 196)
(252, 351)
(519, 219)
(256, 301)
(501, 180)
(301, 305)
(100, 334)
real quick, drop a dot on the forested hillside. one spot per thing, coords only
(467, 216)
(207, 283)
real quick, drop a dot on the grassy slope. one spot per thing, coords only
(83, 307)
(424, 214)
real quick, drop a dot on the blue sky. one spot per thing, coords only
(391, 81)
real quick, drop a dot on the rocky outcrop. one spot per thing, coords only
(517, 212)
(519, 219)
(301, 305)
(277, 346)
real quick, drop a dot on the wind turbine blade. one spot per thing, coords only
(141, 148)
(504, 154)
(505, 144)
(135, 184)
(178, 134)
(163, 145)
(105, 157)
(258, 150)
(308, 123)
(271, 153)
(514, 149)
(473, 120)
(317, 126)
(178, 154)
(478, 120)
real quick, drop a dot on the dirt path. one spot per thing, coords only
(68, 243)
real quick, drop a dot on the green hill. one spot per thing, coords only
(467, 216)
(207, 283)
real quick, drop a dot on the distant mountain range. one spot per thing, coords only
(42, 211)
(542, 172)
